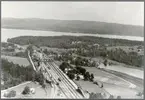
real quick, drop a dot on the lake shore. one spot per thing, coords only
(11, 33)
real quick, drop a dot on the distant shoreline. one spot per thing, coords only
(38, 32)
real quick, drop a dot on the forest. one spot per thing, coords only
(66, 41)
(14, 74)
(86, 46)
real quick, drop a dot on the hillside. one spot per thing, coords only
(75, 26)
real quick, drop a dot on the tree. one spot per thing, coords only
(26, 90)
(78, 78)
(111, 97)
(14, 74)
(30, 48)
(101, 85)
(103, 53)
(33, 76)
(63, 66)
(139, 94)
(44, 85)
(118, 97)
(92, 77)
(87, 76)
(96, 82)
(93, 64)
(39, 78)
(71, 76)
(105, 62)
(45, 51)
(81, 70)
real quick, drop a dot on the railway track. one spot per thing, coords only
(64, 82)
(54, 79)
(65, 78)
(67, 87)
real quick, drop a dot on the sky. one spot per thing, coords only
(115, 12)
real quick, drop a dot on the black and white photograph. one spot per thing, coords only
(72, 50)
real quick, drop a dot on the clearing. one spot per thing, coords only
(17, 60)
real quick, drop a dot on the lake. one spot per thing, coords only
(10, 33)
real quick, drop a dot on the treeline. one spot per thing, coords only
(76, 60)
(21, 54)
(66, 41)
(4, 44)
(131, 58)
(119, 55)
(14, 74)
(74, 72)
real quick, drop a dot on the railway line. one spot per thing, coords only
(49, 68)
(65, 84)
(65, 81)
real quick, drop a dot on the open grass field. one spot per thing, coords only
(124, 92)
(39, 91)
(89, 86)
(121, 67)
(115, 84)
(137, 81)
(17, 60)
(106, 77)
(127, 70)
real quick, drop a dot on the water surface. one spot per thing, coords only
(10, 33)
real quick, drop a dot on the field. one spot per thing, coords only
(121, 67)
(124, 92)
(114, 84)
(106, 77)
(17, 60)
(89, 86)
(39, 91)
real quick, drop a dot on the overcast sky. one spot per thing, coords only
(116, 12)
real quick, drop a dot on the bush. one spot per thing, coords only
(39, 78)
(78, 78)
(111, 97)
(118, 97)
(96, 83)
(43, 86)
(71, 76)
(139, 94)
(10, 94)
(26, 90)
(87, 76)
(105, 62)
(63, 66)
(92, 77)
(81, 70)
(96, 96)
